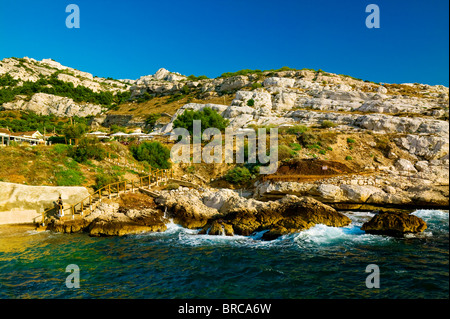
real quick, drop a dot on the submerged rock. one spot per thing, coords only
(394, 224)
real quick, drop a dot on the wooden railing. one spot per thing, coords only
(89, 203)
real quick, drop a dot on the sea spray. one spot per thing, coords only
(179, 263)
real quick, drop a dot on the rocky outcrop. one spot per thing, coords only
(186, 208)
(44, 103)
(288, 215)
(47, 104)
(395, 224)
(393, 191)
(224, 212)
(110, 219)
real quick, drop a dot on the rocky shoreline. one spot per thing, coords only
(223, 212)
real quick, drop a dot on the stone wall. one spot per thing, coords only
(22, 203)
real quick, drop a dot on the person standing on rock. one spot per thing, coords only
(59, 205)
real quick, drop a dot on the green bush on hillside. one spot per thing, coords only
(86, 149)
(197, 78)
(207, 116)
(29, 121)
(152, 118)
(154, 153)
(327, 124)
(74, 131)
(239, 175)
(51, 85)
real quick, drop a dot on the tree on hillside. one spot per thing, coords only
(207, 116)
(154, 153)
(74, 131)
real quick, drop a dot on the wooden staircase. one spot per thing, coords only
(90, 203)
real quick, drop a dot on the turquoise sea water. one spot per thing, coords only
(322, 262)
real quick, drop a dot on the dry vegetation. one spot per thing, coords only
(163, 105)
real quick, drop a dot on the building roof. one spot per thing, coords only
(5, 131)
(29, 133)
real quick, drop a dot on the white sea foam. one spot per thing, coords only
(432, 215)
(319, 235)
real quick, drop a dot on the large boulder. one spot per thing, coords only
(405, 165)
(279, 82)
(394, 224)
(186, 208)
(113, 219)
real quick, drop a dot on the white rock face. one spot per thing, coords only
(234, 83)
(262, 100)
(46, 104)
(279, 82)
(358, 194)
(27, 69)
(165, 75)
(17, 198)
(285, 101)
(428, 147)
(218, 198)
(405, 165)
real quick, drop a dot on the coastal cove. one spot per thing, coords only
(206, 169)
(321, 262)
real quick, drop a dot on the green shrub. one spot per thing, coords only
(154, 153)
(251, 102)
(65, 176)
(256, 85)
(207, 116)
(116, 128)
(327, 124)
(305, 139)
(348, 158)
(350, 140)
(285, 152)
(197, 78)
(103, 179)
(51, 85)
(74, 131)
(172, 186)
(313, 146)
(7, 80)
(152, 118)
(295, 146)
(61, 148)
(296, 129)
(241, 72)
(238, 175)
(29, 121)
(185, 89)
(87, 148)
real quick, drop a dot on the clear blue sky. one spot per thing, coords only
(128, 39)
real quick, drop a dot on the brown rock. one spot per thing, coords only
(186, 209)
(285, 216)
(218, 227)
(394, 224)
(119, 228)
